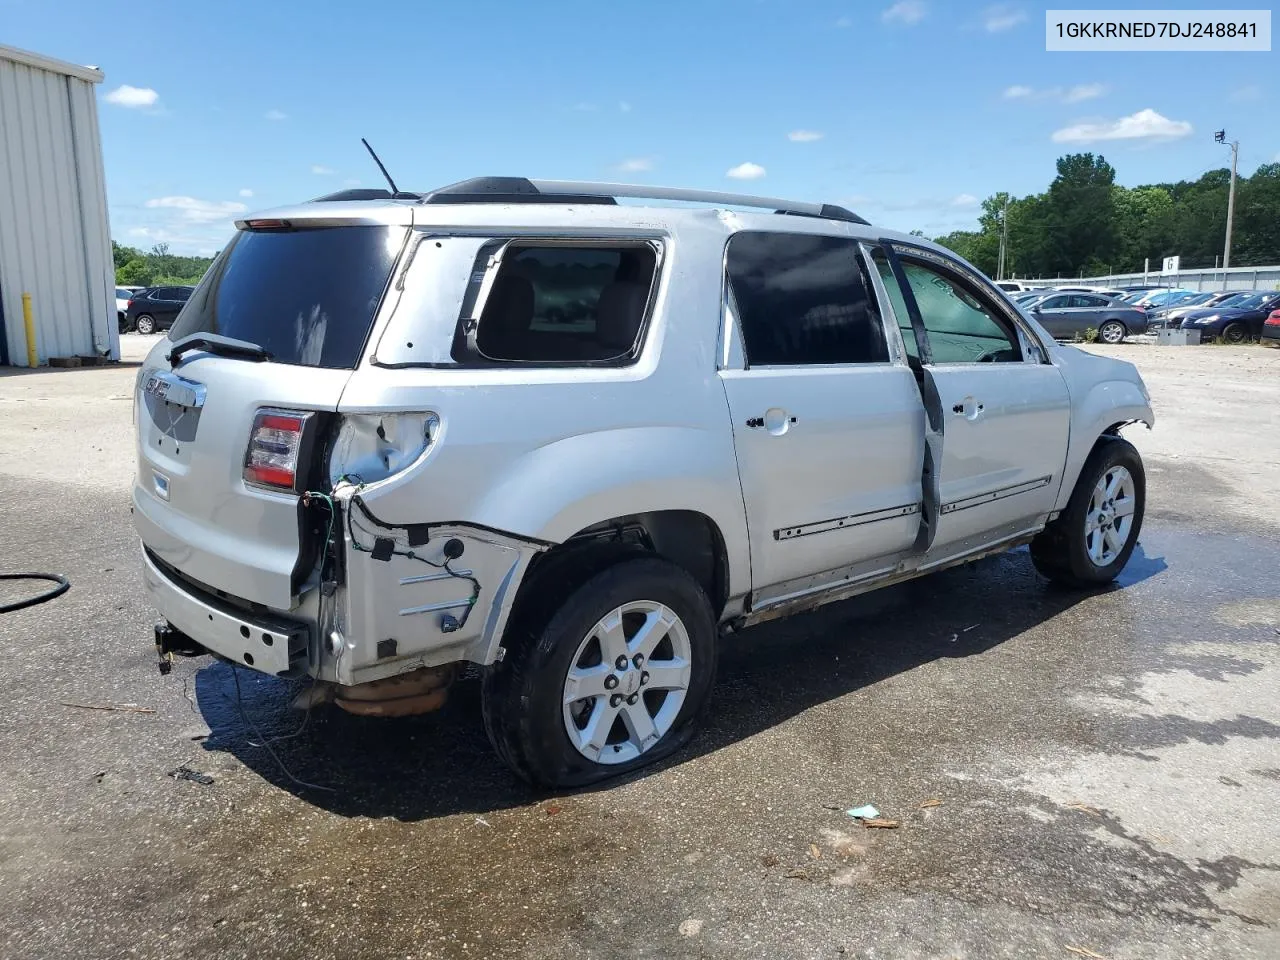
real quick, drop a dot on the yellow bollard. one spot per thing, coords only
(30, 324)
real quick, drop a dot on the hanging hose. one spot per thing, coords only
(63, 585)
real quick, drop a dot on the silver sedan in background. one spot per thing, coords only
(1068, 315)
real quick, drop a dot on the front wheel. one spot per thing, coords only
(146, 324)
(613, 682)
(1235, 332)
(1113, 331)
(123, 321)
(1091, 541)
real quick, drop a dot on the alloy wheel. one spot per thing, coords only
(1109, 520)
(627, 682)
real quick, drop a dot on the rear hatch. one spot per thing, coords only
(276, 327)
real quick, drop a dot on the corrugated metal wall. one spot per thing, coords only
(54, 237)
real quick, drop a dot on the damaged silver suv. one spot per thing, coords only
(574, 442)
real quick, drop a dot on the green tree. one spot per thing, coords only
(136, 273)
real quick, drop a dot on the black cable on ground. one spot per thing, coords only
(63, 585)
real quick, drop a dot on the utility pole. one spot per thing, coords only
(1004, 237)
(1221, 137)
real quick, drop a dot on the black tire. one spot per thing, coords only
(522, 694)
(1235, 332)
(1060, 551)
(145, 324)
(1112, 325)
(123, 321)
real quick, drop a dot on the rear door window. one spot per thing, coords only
(803, 299)
(307, 296)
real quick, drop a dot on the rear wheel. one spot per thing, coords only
(1235, 332)
(1113, 331)
(612, 682)
(123, 321)
(1091, 541)
(146, 324)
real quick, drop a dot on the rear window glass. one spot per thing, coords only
(307, 296)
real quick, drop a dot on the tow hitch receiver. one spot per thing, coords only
(171, 642)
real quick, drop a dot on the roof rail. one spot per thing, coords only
(828, 211)
(507, 190)
(523, 190)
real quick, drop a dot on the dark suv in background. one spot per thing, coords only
(155, 308)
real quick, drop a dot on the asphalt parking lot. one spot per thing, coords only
(1107, 765)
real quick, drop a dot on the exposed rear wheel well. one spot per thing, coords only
(685, 537)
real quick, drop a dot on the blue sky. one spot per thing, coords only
(908, 111)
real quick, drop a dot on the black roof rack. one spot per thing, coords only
(507, 190)
(524, 190)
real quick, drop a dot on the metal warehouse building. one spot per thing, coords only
(54, 239)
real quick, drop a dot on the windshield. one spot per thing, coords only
(308, 297)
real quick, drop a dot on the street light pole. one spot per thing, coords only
(1221, 137)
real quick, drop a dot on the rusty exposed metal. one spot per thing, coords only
(403, 695)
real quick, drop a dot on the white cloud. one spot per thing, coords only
(804, 136)
(276, 115)
(624, 107)
(246, 192)
(745, 171)
(1250, 92)
(199, 211)
(844, 23)
(1077, 94)
(1083, 91)
(906, 12)
(352, 182)
(322, 171)
(133, 97)
(964, 200)
(1002, 16)
(635, 165)
(1143, 125)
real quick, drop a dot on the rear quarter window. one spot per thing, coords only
(564, 303)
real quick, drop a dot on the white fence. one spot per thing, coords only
(1236, 278)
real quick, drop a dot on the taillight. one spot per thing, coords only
(128, 303)
(275, 448)
(1274, 319)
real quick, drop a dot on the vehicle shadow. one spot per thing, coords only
(442, 763)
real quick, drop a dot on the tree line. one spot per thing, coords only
(158, 267)
(1085, 222)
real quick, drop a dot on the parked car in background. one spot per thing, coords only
(1239, 322)
(1069, 315)
(1271, 330)
(1029, 296)
(1170, 314)
(122, 305)
(1158, 298)
(155, 308)
(1010, 286)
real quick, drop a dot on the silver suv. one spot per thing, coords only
(573, 442)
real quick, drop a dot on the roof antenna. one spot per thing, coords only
(395, 191)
